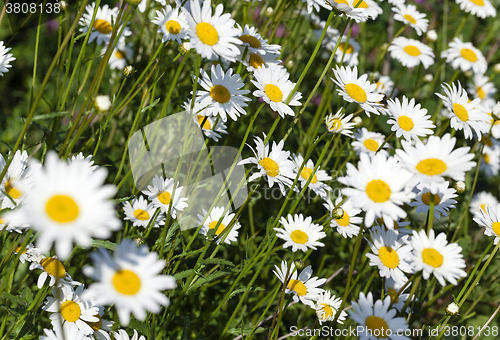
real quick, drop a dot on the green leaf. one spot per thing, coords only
(139, 326)
(13, 298)
(104, 244)
(183, 274)
(241, 290)
(150, 106)
(27, 295)
(222, 262)
(207, 279)
(244, 330)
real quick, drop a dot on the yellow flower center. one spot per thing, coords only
(378, 326)
(306, 173)
(460, 112)
(486, 158)
(344, 220)
(355, 3)
(103, 26)
(206, 125)
(95, 325)
(327, 310)
(496, 228)
(120, 55)
(70, 311)
(431, 166)
(53, 267)
(405, 123)
(141, 214)
(483, 206)
(62, 209)
(18, 248)
(426, 199)
(378, 191)
(480, 92)
(477, 2)
(13, 192)
(347, 50)
(219, 230)
(334, 124)
(298, 236)
(207, 33)
(297, 287)
(410, 19)
(432, 257)
(412, 50)
(389, 257)
(251, 40)
(356, 92)
(255, 60)
(273, 92)
(220, 94)
(371, 144)
(173, 27)
(126, 282)
(393, 294)
(164, 197)
(468, 55)
(272, 168)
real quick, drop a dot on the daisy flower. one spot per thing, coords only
(300, 233)
(102, 26)
(384, 85)
(339, 123)
(392, 288)
(255, 61)
(348, 224)
(123, 335)
(372, 9)
(274, 165)
(140, 212)
(30, 253)
(68, 203)
(347, 51)
(130, 280)
(378, 188)
(433, 255)
(5, 59)
(101, 327)
(357, 90)
(211, 221)
(466, 114)
(53, 269)
(348, 8)
(443, 199)
(274, 87)
(317, 182)
(378, 320)
(389, 254)
(85, 160)
(212, 126)
(68, 306)
(430, 162)
(479, 8)
(254, 42)
(222, 94)
(409, 119)
(411, 52)
(369, 142)
(482, 88)
(398, 227)
(212, 36)
(311, 4)
(17, 179)
(161, 192)
(121, 56)
(64, 333)
(480, 201)
(409, 15)
(172, 24)
(304, 287)
(327, 306)
(490, 163)
(465, 56)
(490, 219)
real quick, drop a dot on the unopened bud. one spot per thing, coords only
(460, 187)
(128, 71)
(102, 103)
(469, 74)
(358, 121)
(432, 35)
(428, 78)
(290, 63)
(338, 213)
(184, 48)
(63, 5)
(139, 241)
(134, 2)
(496, 68)
(452, 309)
(385, 46)
(269, 11)
(299, 264)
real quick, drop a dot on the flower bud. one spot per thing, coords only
(269, 11)
(452, 309)
(63, 5)
(299, 264)
(290, 63)
(428, 77)
(128, 71)
(432, 35)
(133, 2)
(468, 74)
(338, 213)
(358, 121)
(460, 187)
(102, 103)
(184, 48)
(496, 68)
